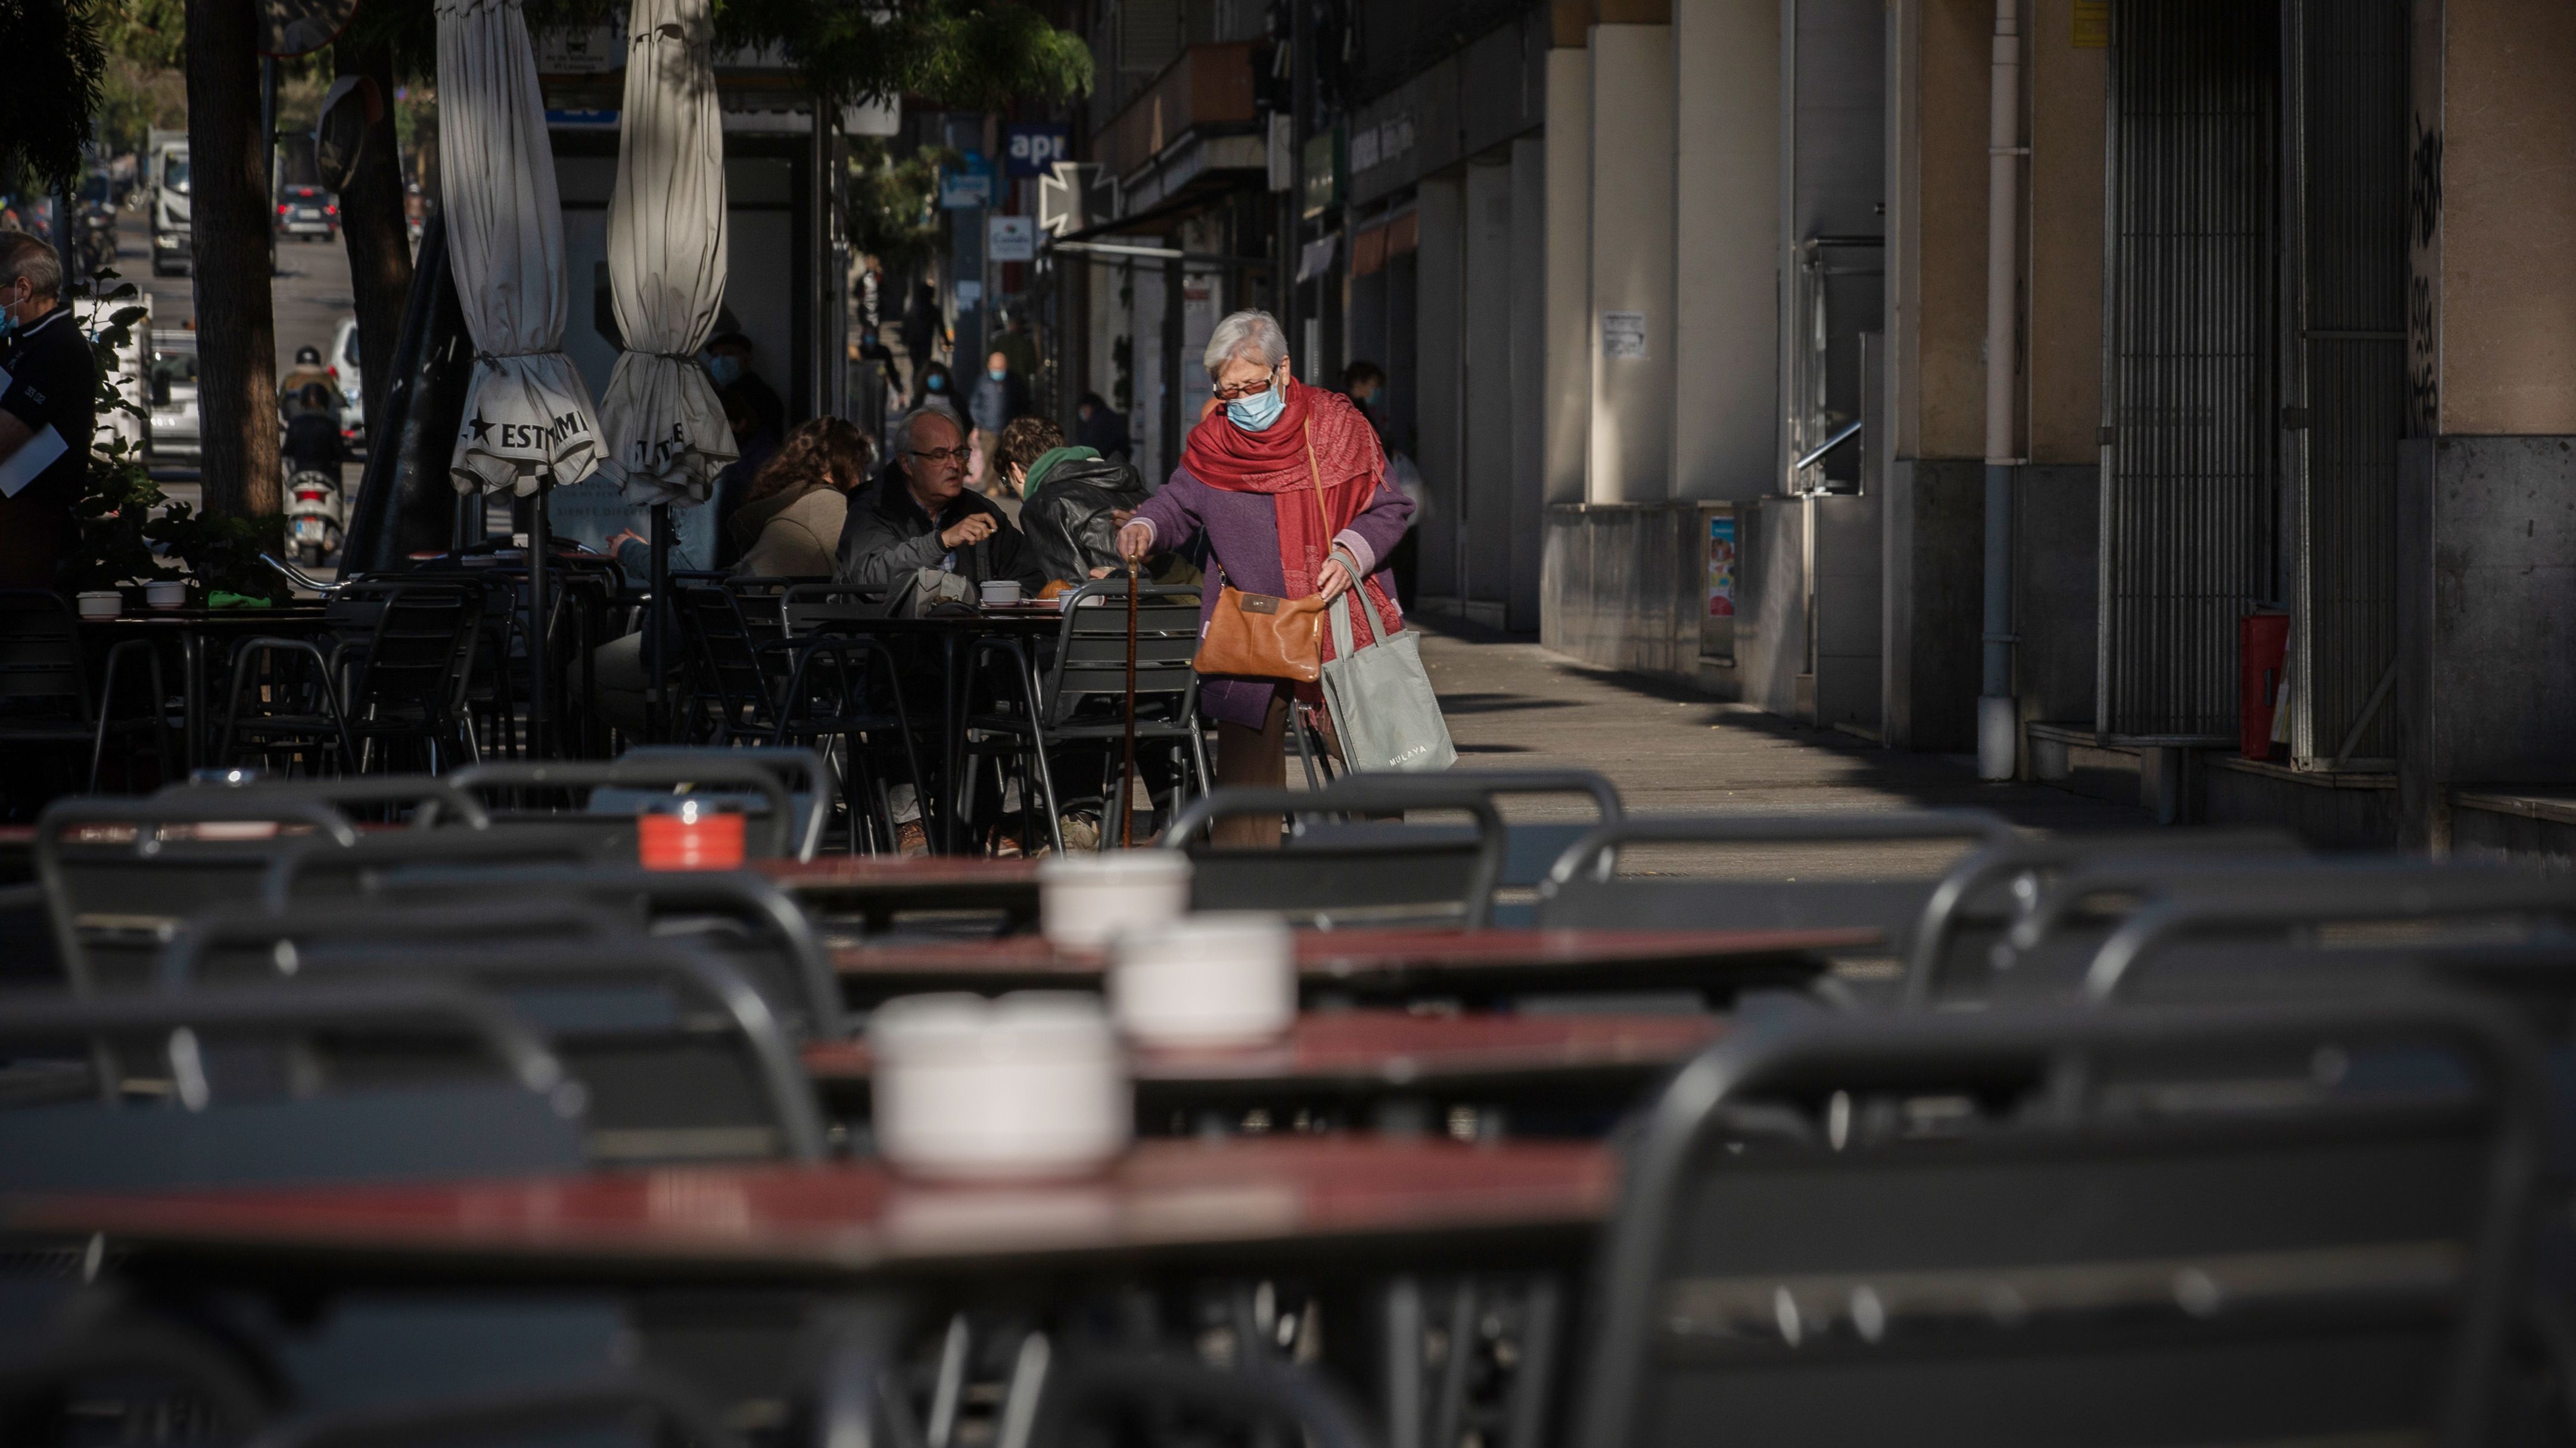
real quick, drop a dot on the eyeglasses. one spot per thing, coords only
(943, 454)
(1245, 389)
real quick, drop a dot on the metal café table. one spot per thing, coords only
(1387, 1060)
(193, 629)
(1396, 966)
(952, 628)
(1235, 1206)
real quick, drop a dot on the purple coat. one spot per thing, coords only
(1243, 532)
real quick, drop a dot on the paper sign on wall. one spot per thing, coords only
(1623, 336)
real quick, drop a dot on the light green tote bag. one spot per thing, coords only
(1381, 699)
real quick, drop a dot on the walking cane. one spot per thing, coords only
(1127, 781)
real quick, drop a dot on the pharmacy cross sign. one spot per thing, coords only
(1076, 195)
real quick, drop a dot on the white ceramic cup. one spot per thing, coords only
(1030, 1086)
(166, 593)
(1227, 978)
(99, 603)
(1000, 590)
(1084, 901)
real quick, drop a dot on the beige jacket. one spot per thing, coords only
(791, 535)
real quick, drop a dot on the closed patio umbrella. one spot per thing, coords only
(529, 424)
(667, 437)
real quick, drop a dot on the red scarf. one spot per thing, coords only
(1345, 458)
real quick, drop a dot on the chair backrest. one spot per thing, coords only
(2050, 950)
(1345, 877)
(1532, 847)
(1985, 894)
(388, 1082)
(2069, 1227)
(764, 600)
(679, 1058)
(432, 798)
(824, 607)
(1091, 650)
(308, 873)
(1583, 889)
(771, 831)
(421, 646)
(2326, 897)
(224, 949)
(737, 917)
(121, 875)
(808, 781)
(723, 655)
(40, 653)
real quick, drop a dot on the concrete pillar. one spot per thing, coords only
(1632, 263)
(1567, 419)
(2486, 602)
(1726, 223)
(1485, 477)
(1530, 361)
(1439, 328)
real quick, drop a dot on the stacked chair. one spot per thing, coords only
(2120, 1140)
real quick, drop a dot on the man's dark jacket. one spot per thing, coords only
(1069, 515)
(888, 536)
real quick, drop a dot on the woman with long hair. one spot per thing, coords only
(789, 524)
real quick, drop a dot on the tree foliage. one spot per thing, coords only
(893, 202)
(55, 61)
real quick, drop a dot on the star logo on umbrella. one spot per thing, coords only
(482, 429)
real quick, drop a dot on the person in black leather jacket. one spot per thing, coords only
(1073, 499)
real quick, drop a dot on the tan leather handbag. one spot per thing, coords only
(1254, 635)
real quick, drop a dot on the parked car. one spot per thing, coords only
(308, 211)
(133, 372)
(345, 369)
(174, 433)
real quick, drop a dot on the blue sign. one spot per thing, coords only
(1034, 150)
(969, 185)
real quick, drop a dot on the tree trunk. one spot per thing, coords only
(372, 223)
(228, 201)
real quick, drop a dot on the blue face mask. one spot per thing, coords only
(935, 384)
(724, 369)
(1257, 412)
(997, 373)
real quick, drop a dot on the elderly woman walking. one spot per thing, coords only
(1249, 478)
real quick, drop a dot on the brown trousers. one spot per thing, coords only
(1249, 758)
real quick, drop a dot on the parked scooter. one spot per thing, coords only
(316, 516)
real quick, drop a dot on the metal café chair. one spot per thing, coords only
(121, 875)
(46, 683)
(738, 917)
(806, 774)
(1077, 698)
(754, 786)
(430, 797)
(308, 873)
(1348, 880)
(1953, 957)
(395, 674)
(2051, 1227)
(1583, 888)
(252, 946)
(386, 1081)
(679, 1058)
(1530, 848)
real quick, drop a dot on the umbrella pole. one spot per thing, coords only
(540, 682)
(658, 630)
(1127, 779)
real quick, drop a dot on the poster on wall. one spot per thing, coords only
(1721, 568)
(1623, 336)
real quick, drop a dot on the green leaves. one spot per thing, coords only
(956, 54)
(55, 60)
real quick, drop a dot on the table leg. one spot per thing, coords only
(952, 711)
(192, 696)
(1402, 1316)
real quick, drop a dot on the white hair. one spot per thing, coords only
(903, 426)
(1249, 333)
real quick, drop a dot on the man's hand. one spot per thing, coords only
(974, 528)
(1336, 577)
(1135, 541)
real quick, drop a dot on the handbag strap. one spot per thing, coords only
(1315, 471)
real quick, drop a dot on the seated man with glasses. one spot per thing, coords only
(918, 514)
